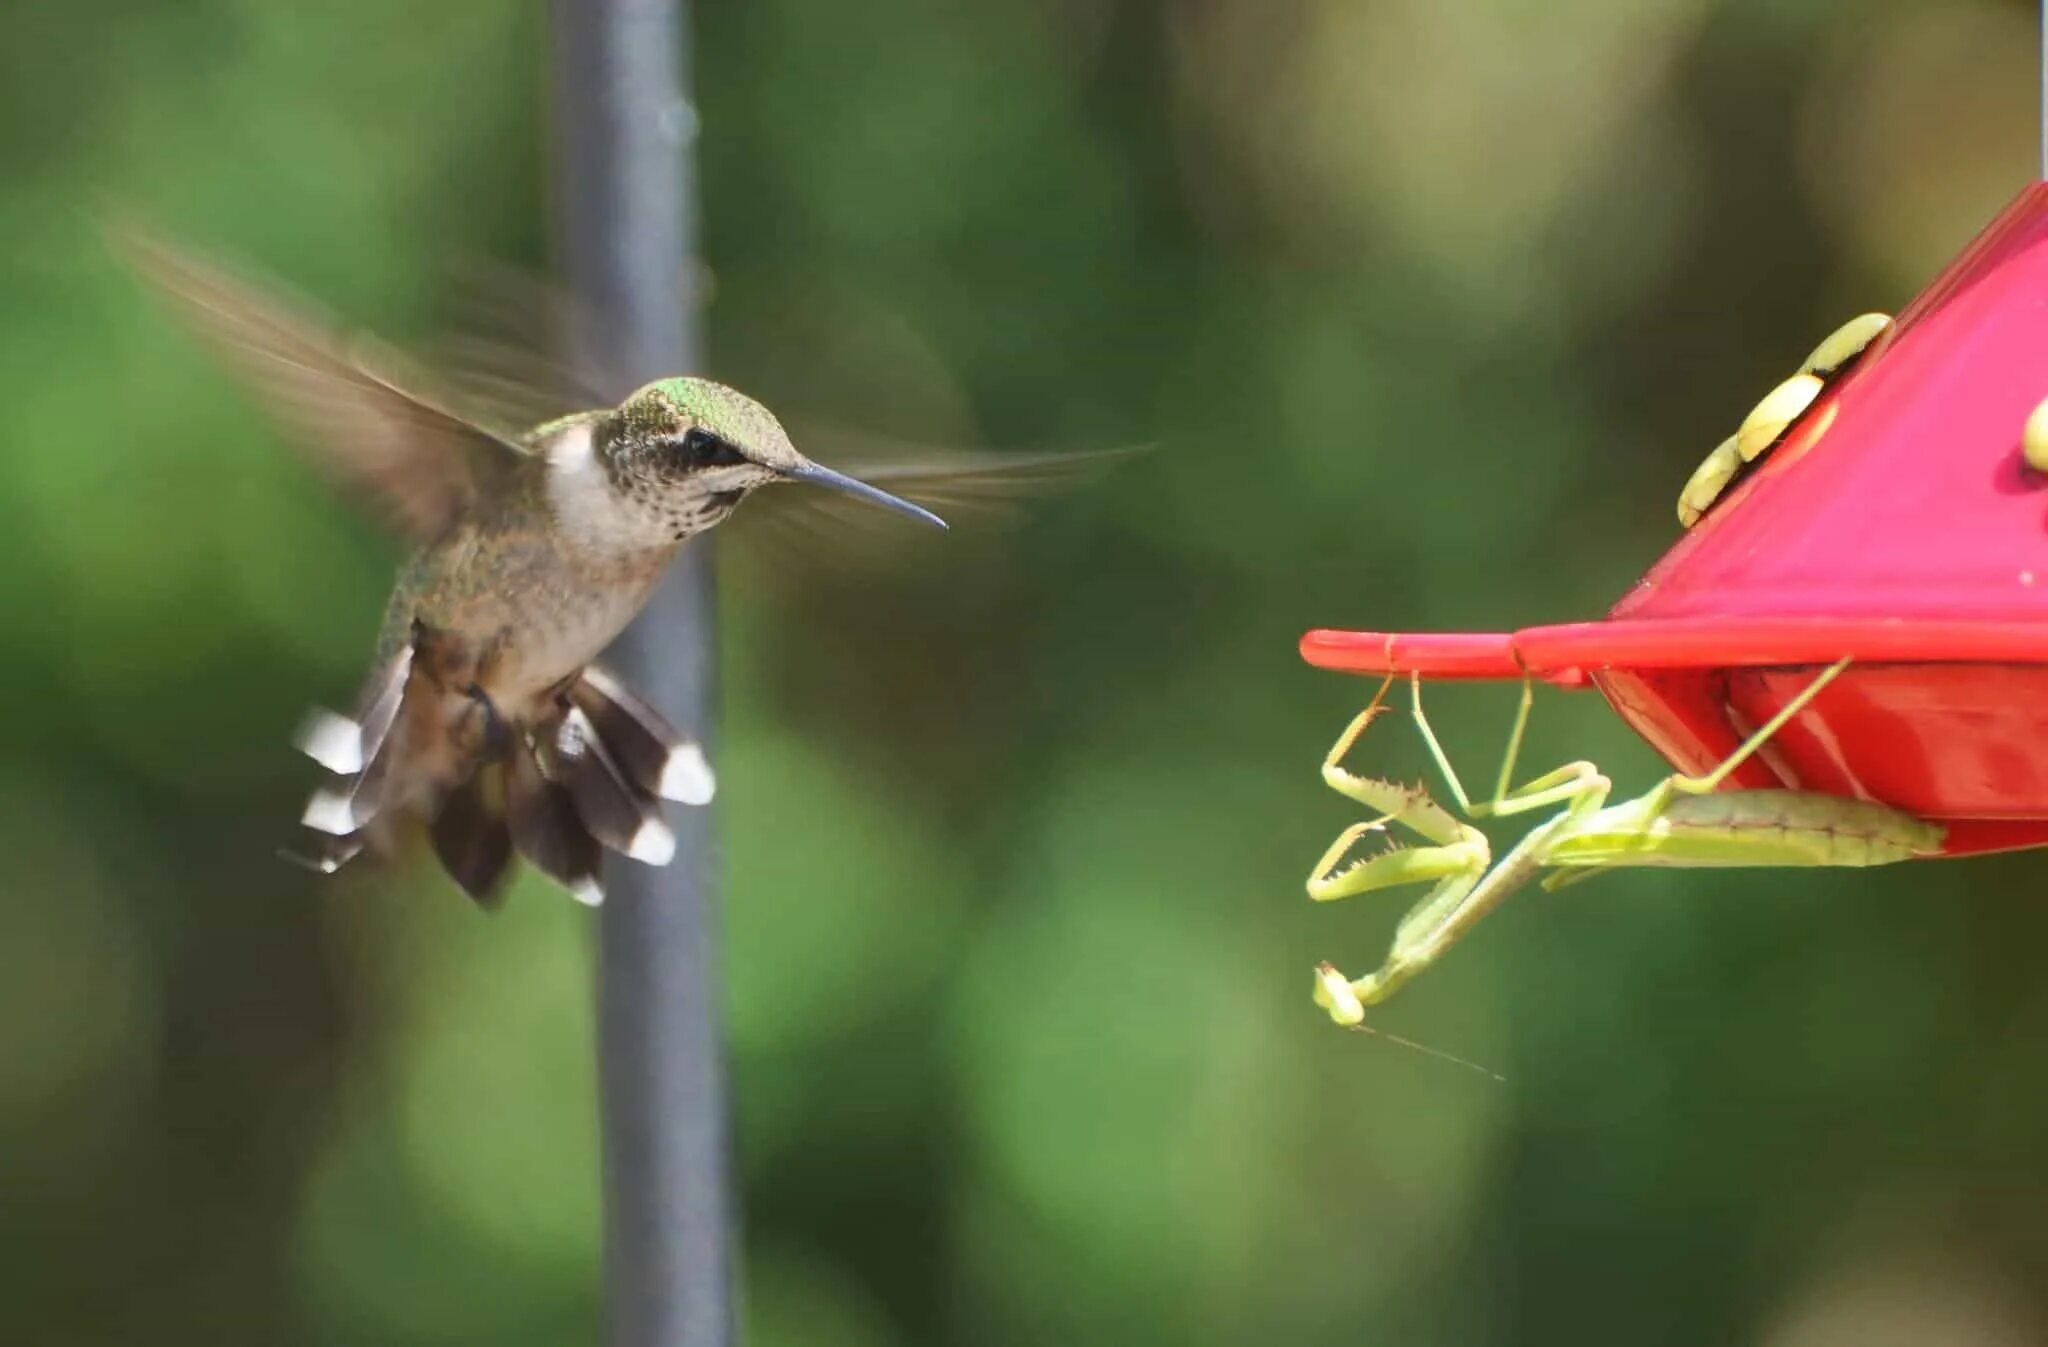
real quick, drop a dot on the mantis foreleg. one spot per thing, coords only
(1587, 836)
(1465, 890)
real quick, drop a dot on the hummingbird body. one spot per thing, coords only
(484, 714)
(506, 735)
(543, 572)
(522, 592)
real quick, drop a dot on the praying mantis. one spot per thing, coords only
(1681, 821)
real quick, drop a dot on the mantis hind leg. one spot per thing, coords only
(1714, 780)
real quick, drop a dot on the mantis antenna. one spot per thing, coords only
(1428, 1051)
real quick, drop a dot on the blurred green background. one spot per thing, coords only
(1431, 308)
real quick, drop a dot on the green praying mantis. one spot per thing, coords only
(1681, 821)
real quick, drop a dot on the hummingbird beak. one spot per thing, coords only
(819, 475)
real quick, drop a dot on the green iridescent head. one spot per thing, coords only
(672, 408)
(704, 446)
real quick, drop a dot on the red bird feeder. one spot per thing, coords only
(1896, 523)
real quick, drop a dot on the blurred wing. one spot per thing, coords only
(970, 482)
(803, 527)
(510, 336)
(966, 486)
(352, 403)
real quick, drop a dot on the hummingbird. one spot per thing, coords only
(486, 713)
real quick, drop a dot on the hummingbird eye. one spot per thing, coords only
(702, 449)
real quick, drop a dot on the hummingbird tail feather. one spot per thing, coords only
(345, 744)
(378, 709)
(353, 749)
(332, 740)
(558, 794)
(471, 835)
(324, 853)
(617, 812)
(548, 832)
(654, 757)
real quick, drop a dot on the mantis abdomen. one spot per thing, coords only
(1749, 827)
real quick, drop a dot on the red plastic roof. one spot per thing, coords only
(1897, 524)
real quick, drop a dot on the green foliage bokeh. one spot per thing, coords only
(1429, 308)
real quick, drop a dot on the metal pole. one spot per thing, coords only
(625, 186)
